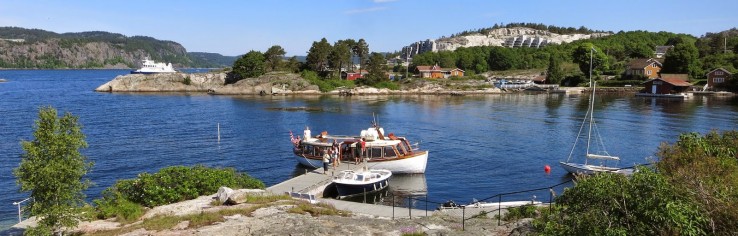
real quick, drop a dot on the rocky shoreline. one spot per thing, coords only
(275, 218)
(272, 84)
(280, 83)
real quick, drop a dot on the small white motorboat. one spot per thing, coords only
(352, 183)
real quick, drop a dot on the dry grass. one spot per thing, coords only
(254, 202)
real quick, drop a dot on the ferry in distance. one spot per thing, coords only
(152, 67)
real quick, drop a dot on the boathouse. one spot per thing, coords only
(353, 75)
(717, 78)
(667, 84)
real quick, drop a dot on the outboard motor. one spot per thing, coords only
(450, 203)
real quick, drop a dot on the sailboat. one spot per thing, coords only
(601, 157)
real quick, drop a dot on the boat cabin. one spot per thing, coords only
(368, 145)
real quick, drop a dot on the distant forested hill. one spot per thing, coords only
(211, 60)
(35, 48)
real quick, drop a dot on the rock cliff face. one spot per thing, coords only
(58, 53)
(504, 37)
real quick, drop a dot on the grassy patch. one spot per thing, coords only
(317, 209)
(159, 223)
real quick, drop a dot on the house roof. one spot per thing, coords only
(663, 49)
(451, 69)
(640, 63)
(673, 79)
(428, 68)
(724, 70)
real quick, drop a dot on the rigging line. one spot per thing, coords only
(578, 135)
(601, 143)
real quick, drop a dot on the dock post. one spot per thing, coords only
(409, 209)
(426, 204)
(364, 195)
(218, 132)
(393, 207)
(550, 199)
(463, 218)
(499, 209)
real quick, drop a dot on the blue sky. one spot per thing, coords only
(235, 27)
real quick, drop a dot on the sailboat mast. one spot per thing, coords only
(591, 104)
(591, 118)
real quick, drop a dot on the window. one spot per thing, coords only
(653, 65)
(375, 152)
(648, 73)
(389, 152)
(718, 80)
(718, 73)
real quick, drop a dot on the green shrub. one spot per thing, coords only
(187, 80)
(613, 204)
(705, 169)
(388, 85)
(516, 213)
(179, 183)
(326, 84)
(114, 205)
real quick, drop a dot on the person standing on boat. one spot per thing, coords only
(326, 159)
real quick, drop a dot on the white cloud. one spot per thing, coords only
(364, 10)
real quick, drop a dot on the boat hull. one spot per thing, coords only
(410, 165)
(348, 190)
(577, 168)
(150, 72)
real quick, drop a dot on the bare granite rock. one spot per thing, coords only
(164, 82)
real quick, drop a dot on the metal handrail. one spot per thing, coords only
(20, 214)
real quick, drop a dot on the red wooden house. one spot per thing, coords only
(667, 84)
(717, 77)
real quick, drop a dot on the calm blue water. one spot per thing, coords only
(479, 145)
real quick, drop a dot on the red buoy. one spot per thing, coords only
(547, 169)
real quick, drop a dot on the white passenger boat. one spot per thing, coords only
(379, 151)
(152, 67)
(351, 183)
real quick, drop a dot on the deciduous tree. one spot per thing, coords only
(273, 57)
(52, 169)
(683, 59)
(587, 52)
(554, 75)
(250, 65)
